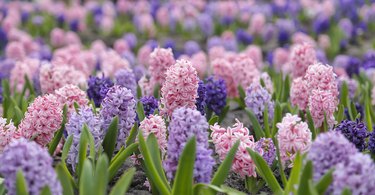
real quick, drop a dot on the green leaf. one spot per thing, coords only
(140, 111)
(82, 152)
(139, 92)
(277, 117)
(86, 185)
(150, 166)
(120, 159)
(294, 177)
(265, 120)
(101, 175)
(340, 114)
(324, 182)
(46, 191)
(325, 123)
(344, 94)
(368, 113)
(65, 179)
(223, 113)
(76, 107)
(310, 123)
(214, 119)
(18, 115)
(183, 182)
(58, 135)
(311, 188)
(223, 170)
(86, 131)
(123, 183)
(29, 86)
(353, 110)
(307, 174)
(286, 89)
(66, 148)
(346, 191)
(202, 188)
(265, 171)
(2, 188)
(132, 135)
(21, 186)
(242, 96)
(256, 126)
(152, 144)
(156, 91)
(110, 139)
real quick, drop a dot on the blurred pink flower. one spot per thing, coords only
(143, 55)
(324, 41)
(120, 46)
(159, 62)
(15, 50)
(255, 53)
(111, 62)
(156, 125)
(216, 52)
(222, 68)
(299, 94)
(147, 86)
(26, 67)
(8, 132)
(301, 57)
(57, 37)
(320, 103)
(245, 71)
(69, 94)
(199, 61)
(280, 58)
(257, 23)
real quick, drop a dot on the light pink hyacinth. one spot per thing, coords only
(245, 71)
(15, 50)
(255, 53)
(199, 61)
(111, 62)
(143, 55)
(322, 77)
(224, 69)
(293, 136)
(216, 52)
(321, 102)
(224, 139)
(42, 119)
(257, 23)
(57, 37)
(180, 87)
(70, 94)
(280, 58)
(8, 132)
(54, 77)
(156, 125)
(159, 62)
(26, 67)
(301, 57)
(299, 93)
(146, 85)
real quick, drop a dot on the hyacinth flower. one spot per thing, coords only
(8, 132)
(156, 125)
(98, 88)
(180, 87)
(34, 162)
(201, 100)
(293, 136)
(159, 62)
(84, 116)
(186, 123)
(126, 78)
(150, 104)
(224, 139)
(266, 149)
(70, 94)
(355, 131)
(299, 94)
(216, 94)
(257, 98)
(120, 102)
(301, 57)
(42, 119)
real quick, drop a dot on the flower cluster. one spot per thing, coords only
(185, 124)
(245, 71)
(201, 100)
(126, 78)
(355, 132)
(180, 87)
(299, 94)
(42, 119)
(293, 136)
(8, 132)
(224, 139)
(216, 94)
(257, 98)
(35, 164)
(301, 57)
(120, 102)
(156, 125)
(267, 149)
(150, 104)
(98, 88)
(160, 60)
(74, 128)
(223, 69)
(69, 94)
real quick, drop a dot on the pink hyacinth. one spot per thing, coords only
(322, 77)
(222, 68)
(146, 85)
(26, 67)
(143, 55)
(15, 50)
(156, 125)
(70, 94)
(267, 81)
(280, 58)
(299, 93)
(199, 61)
(111, 62)
(245, 71)
(42, 119)
(324, 41)
(302, 38)
(120, 46)
(257, 23)
(54, 77)
(255, 53)
(293, 136)
(57, 37)
(8, 132)
(301, 57)
(224, 139)
(180, 87)
(321, 102)
(159, 62)
(216, 52)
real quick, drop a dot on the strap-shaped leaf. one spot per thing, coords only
(110, 139)
(140, 111)
(123, 183)
(82, 153)
(307, 175)
(340, 114)
(46, 191)
(132, 135)
(183, 182)
(310, 123)
(324, 182)
(101, 175)
(152, 144)
(294, 177)
(59, 133)
(265, 122)
(65, 179)
(66, 148)
(214, 119)
(120, 159)
(277, 118)
(223, 113)
(21, 185)
(255, 123)
(86, 184)
(90, 138)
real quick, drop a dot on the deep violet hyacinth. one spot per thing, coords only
(355, 131)
(150, 103)
(98, 88)
(120, 102)
(185, 124)
(371, 143)
(35, 164)
(216, 94)
(201, 100)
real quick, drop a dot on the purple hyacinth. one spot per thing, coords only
(266, 147)
(327, 150)
(353, 66)
(131, 39)
(201, 100)
(191, 47)
(256, 99)
(150, 104)
(185, 124)
(355, 132)
(244, 37)
(98, 88)
(371, 142)
(126, 78)
(351, 83)
(120, 102)
(206, 24)
(35, 164)
(357, 174)
(216, 94)
(369, 60)
(139, 71)
(74, 127)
